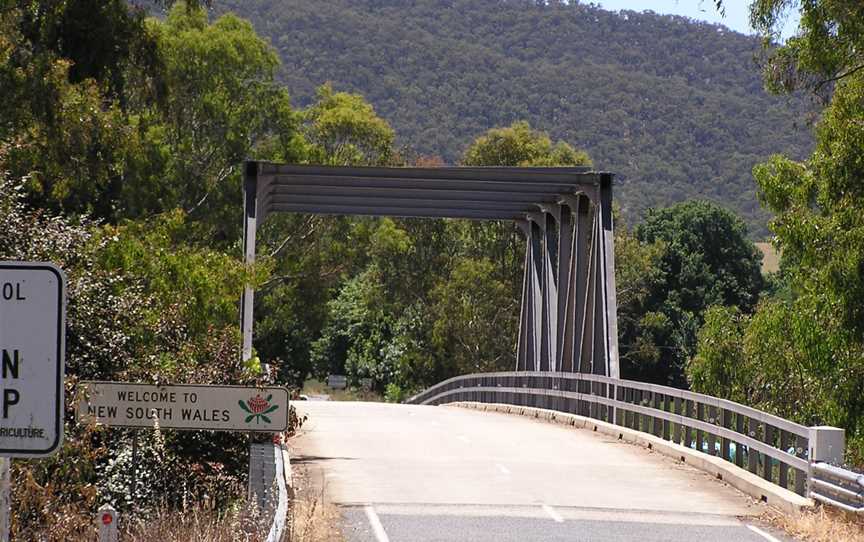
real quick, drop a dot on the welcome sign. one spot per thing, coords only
(191, 407)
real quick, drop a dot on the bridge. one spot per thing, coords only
(491, 470)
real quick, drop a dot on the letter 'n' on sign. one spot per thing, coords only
(32, 347)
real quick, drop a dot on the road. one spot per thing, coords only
(405, 473)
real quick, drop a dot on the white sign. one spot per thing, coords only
(32, 343)
(215, 408)
(337, 382)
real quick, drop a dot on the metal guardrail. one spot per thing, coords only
(776, 449)
(268, 487)
(837, 487)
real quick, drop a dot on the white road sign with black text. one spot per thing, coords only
(32, 335)
(215, 408)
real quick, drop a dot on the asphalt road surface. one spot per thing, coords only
(403, 473)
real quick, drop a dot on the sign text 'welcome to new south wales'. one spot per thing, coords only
(215, 408)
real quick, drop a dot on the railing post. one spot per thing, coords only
(827, 445)
(614, 397)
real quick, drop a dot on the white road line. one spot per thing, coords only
(552, 513)
(377, 528)
(463, 438)
(762, 533)
(502, 468)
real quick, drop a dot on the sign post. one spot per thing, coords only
(32, 346)
(5, 498)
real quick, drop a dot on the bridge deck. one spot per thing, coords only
(428, 471)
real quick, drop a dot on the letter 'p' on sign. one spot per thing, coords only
(32, 344)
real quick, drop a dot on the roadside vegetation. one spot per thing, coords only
(121, 144)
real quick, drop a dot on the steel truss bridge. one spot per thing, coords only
(567, 354)
(568, 316)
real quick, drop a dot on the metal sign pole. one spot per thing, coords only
(134, 465)
(5, 498)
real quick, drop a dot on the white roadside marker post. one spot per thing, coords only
(106, 520)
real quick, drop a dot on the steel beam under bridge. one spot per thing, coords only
(568, 319)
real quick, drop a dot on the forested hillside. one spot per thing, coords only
(675, 107)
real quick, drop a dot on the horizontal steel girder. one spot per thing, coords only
(396, 211)
(551, 194)
(553, 174)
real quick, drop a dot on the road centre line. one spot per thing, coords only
(375, 523)
(762, 533)
(552, 513)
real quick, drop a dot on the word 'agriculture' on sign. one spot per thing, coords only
(32, 332)
(215, 408)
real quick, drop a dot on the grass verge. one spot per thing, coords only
(819, 525)
(313, 517)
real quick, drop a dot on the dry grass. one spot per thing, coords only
(314, 519)
(311, 519)
(198, 523)
(770, 258)
(820, 525)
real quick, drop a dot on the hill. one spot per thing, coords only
(673, 106)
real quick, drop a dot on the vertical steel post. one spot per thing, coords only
(565, 268)
(536, 297)
(134, 482)
(522, 347)
(582, 259)
(551, 217)
(250, 225)
(542, 269)
(586, 355)
(610, 299)
(598, 335)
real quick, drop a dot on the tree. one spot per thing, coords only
(520, 145)
(343, 130)
(826, 49)
(474, 319)
(801, 354)
(707, 261)
(641, 328)
(218, 104)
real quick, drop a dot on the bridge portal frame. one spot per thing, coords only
(568, 315)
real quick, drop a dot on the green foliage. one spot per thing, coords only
(707, 260)
(216, 105)
(801, 354)
(638, 275)
(672, 106)
(344, 130)
(475, 319)
(826, 48)
(519, 145)
(124, 326)
(813, 333)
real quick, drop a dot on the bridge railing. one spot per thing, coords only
(776, 449)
